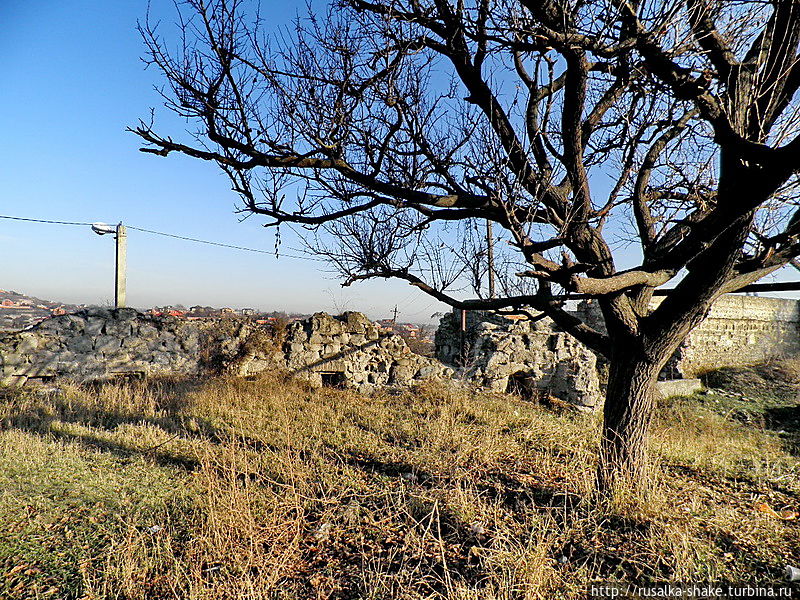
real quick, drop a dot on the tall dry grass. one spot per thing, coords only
(280, 491)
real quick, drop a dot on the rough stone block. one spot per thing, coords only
(427, 372)
(102, 313)
(118, 328)
(147, 331)
(81, 344)
(94, 326)
(13, 360)
(126, 314)
(107, 343)
(678, 387)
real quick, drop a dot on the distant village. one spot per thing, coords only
(18, 312)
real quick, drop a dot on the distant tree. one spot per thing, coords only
(591, 133)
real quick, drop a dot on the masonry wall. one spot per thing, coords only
(738, 331)
(100, 344)
(349, 350)
(741, 331)
(352, 349)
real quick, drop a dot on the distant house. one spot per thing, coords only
(8, 304)
(226, 311)
(248, 312)
(387, 324)
(411, 330)
(176, 313)
(57, 312)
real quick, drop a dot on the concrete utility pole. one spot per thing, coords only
(120, 277)
(121, 236)
(490, 255)
(463, 336)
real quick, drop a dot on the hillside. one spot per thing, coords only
(18, 311)
(265, 488)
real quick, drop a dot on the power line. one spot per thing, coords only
(43, 221)
(151, 231)
(199, 241)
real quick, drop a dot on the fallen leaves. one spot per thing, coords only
(784, 514)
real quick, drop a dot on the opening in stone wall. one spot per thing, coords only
(128, 375)
(332, 379)
(523, 385)
(39, 379)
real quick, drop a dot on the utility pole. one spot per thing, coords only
(121, 237)
(490, 256)
(121, 266)
(394, 315)
(463, 336)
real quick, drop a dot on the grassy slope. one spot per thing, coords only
(268, 489)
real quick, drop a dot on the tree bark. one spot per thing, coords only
(628, 411)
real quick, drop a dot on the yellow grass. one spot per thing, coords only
(229, 488)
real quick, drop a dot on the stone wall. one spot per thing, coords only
(738, 331)
(351, 349)
(100, 344)
(503, 354)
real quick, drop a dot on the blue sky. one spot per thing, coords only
(72, 82)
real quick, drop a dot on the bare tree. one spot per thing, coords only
(589, 132)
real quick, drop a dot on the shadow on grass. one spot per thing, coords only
(41, 413)
(45, 425)
(429, 516)
(786, 419)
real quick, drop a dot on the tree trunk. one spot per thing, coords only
(628, 410)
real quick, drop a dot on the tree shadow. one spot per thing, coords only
(96, 422)
(43, 425)
(786, 421)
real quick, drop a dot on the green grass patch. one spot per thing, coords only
(67, 511)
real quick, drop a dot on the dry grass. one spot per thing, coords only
(268, 489)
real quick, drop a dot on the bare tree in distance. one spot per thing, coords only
(582, 129)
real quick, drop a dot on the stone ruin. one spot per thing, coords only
(499, 354)
(348, 350)
(101, 344)
(98, 344)
(536, 358)
(532, 358)
(740, 331)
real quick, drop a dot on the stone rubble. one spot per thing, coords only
(533, 358)
(501, 354)
(353, 351)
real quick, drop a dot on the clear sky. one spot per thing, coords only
(72, 81)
